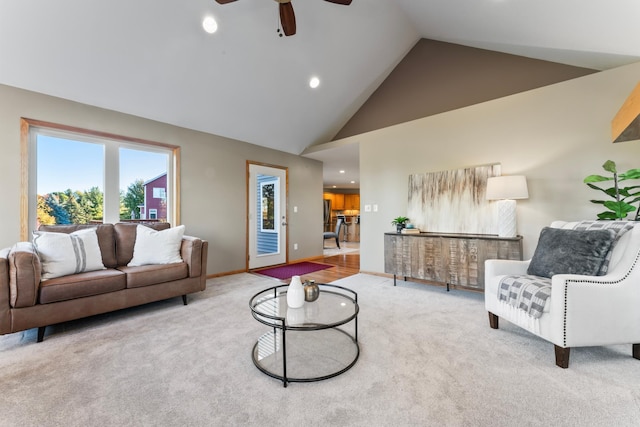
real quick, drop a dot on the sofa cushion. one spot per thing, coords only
(619, 227)
(157, 247)
(561, 251)
(125, 238)
(82, 285)
(62, 254)
(146, 275)
(106, 239)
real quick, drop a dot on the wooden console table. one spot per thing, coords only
(449, 258)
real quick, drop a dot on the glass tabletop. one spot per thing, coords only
(335, 306)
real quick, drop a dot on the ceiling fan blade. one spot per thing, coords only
(225, 1)
(287, 19)
(344, 2)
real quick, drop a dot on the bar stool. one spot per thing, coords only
(346, 227)
(357, 226)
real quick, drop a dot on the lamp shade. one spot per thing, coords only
(508, 187)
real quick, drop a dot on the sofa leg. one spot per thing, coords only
(184, 299)
(636, 351)
(493, 320)
(562, 356)
(41, 333)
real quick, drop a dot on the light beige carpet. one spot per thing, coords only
(428, 358)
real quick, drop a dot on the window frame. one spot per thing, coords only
(29, 128)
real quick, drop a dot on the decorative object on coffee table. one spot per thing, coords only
(311, 291)
(295, 293)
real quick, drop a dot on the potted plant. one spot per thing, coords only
(400, 222)
(624, 197)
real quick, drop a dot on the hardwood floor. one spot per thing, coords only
(344, 265)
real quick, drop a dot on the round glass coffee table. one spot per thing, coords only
(311, 343)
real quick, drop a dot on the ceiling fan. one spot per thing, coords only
(287, 17)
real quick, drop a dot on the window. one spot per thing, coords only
(159, 193)
(76, 176)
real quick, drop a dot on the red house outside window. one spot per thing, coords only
(155, 199)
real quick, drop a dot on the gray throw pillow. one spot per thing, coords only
(561, 251)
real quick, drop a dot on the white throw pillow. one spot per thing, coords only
(157, 247)
(62, 254)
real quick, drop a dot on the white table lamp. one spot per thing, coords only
(506, 189)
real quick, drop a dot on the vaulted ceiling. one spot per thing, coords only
(153, 59)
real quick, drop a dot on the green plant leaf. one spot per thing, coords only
(598, 202)
(624, 192)
(630, 174)
(611, 192)
(597, 178)
(633, 201)
(621, 209)
(607, 215)
(610, 166)
(400, 220)
(608, 191)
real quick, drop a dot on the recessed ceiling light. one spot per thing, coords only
(335, 186)
(314, 82)
(353, 182)
(210, 25)
(341, 171)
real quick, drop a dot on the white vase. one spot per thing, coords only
(295, 293)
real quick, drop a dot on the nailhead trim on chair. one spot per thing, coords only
(566, 290)
(564, 326)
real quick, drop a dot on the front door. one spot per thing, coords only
(267, 216)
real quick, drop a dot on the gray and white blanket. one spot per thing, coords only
(526, 292)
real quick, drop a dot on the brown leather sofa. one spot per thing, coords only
(26, 302)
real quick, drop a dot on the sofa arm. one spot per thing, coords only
(191, 253)
(24, 275)
(596, 310)
(503, 267)
(5, 310)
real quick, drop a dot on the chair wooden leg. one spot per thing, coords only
(41, 333)
(562, 356)
(636, 351)
(493, 320)
(184, 299)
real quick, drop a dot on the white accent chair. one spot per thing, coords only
(582, 310)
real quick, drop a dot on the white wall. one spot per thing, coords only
(555, 136)
(213, 176)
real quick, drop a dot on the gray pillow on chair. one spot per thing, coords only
(561, 251)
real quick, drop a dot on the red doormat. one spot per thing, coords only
(297, 269)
